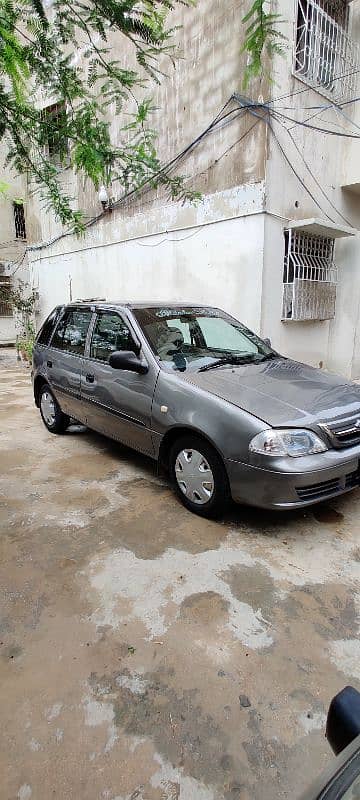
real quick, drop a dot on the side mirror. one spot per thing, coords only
(267, 341)
(126, 359)
(343, 720)
(136, 348)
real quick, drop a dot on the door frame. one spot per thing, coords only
(154, 370)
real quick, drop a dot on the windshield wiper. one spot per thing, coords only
(246, 359)
(272, 356)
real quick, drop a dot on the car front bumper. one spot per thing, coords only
(277, 487)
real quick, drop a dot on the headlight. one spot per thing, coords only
(291, 442)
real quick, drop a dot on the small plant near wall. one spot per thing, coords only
(21, 297)
(25, 342)
(22, 300)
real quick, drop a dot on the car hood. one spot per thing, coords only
(281, 392)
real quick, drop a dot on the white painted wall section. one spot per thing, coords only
(218, 264)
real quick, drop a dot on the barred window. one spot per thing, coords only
(5, 293)
(57, 146)
(19, 220)
(309, 278)
(325, 56)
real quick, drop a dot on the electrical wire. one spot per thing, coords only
(167, 167)
(313, 198)
(311, 88)
(317, 128)
(220, 121)
(309, 192)
(323, 107)
(166, 241)
(198, 227)
(176, 160)
(18, 264)
(316, 181)
(345, 116)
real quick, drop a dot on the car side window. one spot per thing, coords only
(70, 334)
(109, 335)
(47, 328)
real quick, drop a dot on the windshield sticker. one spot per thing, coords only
(186, 312)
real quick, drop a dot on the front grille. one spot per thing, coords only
(318, 491)
(345, 432)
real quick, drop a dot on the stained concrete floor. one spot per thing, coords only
(146, 654)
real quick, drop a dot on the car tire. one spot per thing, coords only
(199, 477)
(52, 416)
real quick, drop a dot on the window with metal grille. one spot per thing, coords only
(325, 56)
(57, 147)
(5, 293)
(310, 277)
(19, 219)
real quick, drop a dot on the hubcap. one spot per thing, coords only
(194, 476)
(48, 408)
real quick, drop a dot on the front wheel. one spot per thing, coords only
(199, 476)
(51, 414)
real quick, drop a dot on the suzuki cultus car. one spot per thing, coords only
(194, 389)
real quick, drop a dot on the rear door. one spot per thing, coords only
(118, 401)
(65, 359)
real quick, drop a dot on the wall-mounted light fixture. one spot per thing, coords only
(105, 200)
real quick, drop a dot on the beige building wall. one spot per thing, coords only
(312, 186)
(208, 68)
(151, 247)
(256, 179)
(11, 249)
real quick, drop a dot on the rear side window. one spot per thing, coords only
(70, 334)
(45, 332)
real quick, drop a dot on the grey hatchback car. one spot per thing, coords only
(214, 404)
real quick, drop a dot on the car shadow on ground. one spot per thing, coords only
(117, 450)
(235, 516)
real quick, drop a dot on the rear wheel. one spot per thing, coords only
(199, 476)
(51, 414)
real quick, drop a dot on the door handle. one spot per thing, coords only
(49, 363)
(90, 378)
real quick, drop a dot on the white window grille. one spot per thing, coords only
(310, 277)
(325, 56)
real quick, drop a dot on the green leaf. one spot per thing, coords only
(260, 35)
(36, 50)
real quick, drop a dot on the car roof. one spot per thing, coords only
(133, 306)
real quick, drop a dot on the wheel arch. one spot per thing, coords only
(38, 383)
(177, 432)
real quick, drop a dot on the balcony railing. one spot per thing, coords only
(325, 56)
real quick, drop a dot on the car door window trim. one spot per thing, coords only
(124, 320)
(67, 310)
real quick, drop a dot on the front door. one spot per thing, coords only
(118, 401)
(65, 359)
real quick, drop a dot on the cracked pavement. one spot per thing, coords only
(146, 653)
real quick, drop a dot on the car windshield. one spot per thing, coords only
(199, 338)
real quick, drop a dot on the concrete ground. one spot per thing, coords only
(147, 654)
